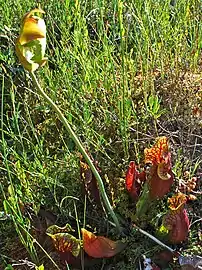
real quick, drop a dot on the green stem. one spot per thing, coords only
(143, 203)
(153, 238)
(80, 147)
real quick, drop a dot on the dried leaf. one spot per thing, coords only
(188, 184)
(90, 182)
(163, 258)
(192, 262)
(187, 267)
(149, 265)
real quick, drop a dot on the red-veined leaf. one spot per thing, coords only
(100, 246)
(134, 180)
(63, 241)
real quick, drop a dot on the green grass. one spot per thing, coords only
(107, 61)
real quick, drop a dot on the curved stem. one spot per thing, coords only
(80, 147)
(153, 238)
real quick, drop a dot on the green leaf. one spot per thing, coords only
(9, 267)
(151, 102)
(41, 267)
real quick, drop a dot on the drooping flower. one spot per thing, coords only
(160, 177)
(134, 180)
(100, 246)
(31, 44)
(176, 220)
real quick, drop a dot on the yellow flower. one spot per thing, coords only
(31, 44)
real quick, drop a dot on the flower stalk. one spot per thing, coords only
(30, 48)
(80, 147)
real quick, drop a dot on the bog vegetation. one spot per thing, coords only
(100, 146)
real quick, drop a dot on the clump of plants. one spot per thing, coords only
(147, 188)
